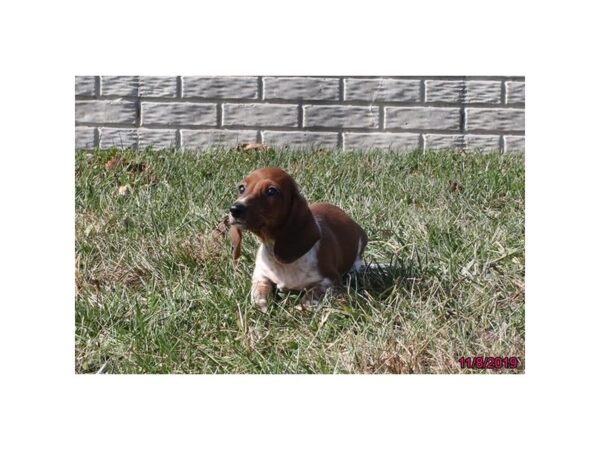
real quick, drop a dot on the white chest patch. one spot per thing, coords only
(300, 274)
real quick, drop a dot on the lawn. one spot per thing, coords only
(157, 292)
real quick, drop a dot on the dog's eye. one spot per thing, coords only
(241, 188)
(272, 191)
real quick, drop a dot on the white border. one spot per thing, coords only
(46, 44)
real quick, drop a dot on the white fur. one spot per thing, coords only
(297, 275)
(300, 274)
(358, 263)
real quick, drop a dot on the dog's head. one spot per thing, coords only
(270, 205)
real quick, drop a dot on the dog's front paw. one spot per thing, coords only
(312, 298)
(261, 303)
(308, 303)
(261, 289)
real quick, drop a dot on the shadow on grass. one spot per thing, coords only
(380, 279)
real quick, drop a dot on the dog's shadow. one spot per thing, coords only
(379, 279)
(374, 280)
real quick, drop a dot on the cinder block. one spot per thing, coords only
(338, 116)
(179, 114)
(84, 138)
(158, 87)
(393, 141)
(301, 139)
(515, 92)
(260, 115)
(201, 139)
(514, 144)
(105, 112)
(157, 139)
(422, 118)
(382, 89)
(85, 85)
(463, 91)
(301, 88)
(459, 141)
(220, 87)
(495, 119)
(118, 137)
(123, 86)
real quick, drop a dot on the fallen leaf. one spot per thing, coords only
(137, 167)
(252, 146)
(114, 162)
(221, 228)
(455, 186)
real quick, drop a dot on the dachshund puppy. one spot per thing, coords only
(302, 247)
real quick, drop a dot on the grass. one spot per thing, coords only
(157, 291)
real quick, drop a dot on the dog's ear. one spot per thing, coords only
(235, 233)
(299, 233)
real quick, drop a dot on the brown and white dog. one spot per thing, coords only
(302, 247)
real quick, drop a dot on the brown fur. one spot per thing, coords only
(339, 239)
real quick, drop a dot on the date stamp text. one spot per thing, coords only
(489, 362)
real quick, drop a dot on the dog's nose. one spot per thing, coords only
(237, 210)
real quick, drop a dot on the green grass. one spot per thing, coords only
(157, 291)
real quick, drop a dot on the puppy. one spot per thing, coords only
(302, 247)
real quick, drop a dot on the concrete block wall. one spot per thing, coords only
(400, 113)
